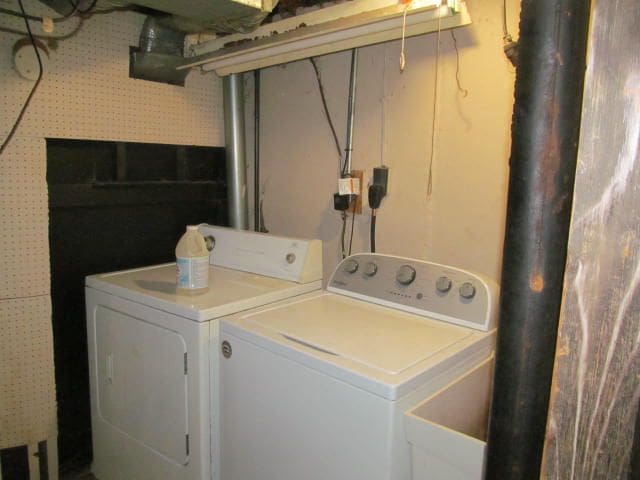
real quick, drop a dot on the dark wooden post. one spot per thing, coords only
(548, 91)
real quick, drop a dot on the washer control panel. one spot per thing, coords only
(429, 289)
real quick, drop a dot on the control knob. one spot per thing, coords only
(351, 266)
(370, 269)
(467, 290)
(406, 274)
(443, 284)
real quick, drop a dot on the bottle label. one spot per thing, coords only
(193, 273)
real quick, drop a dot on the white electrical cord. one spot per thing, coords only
(403, 60)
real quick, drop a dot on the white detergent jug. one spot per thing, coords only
(192, 260)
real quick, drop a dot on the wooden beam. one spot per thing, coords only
(596, 385)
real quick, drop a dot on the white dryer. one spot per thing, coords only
(315, 387)
(153, 352)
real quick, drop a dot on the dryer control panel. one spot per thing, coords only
(425, 288)
(294, 259)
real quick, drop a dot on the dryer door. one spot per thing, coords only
(142, 382)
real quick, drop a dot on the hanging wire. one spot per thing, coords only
(12, 132)
(435, 112)
(326, 109)
(342, 233)
(372, 231)
(509, 46)
(86, 10)
(65, 36)
(75, 12)
(338, 149)
(505, 31)
(80, 21)
(403, 59)
(74, 8)
(463, 91)
(353, 221)
(382, 107)
(345, 171)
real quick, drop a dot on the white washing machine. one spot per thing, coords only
(315, 387)
(153, 352)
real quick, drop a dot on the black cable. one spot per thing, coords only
(73, 32)
(463, 91)
(35, 18)
(88, 9)
(257, 211)
(372, 236)
(89, 12)
(6, 11)
(33, 89)
(74, 8)
(353, 221)
(350, 114)
(344, 228)
(326, 108)
(338, 149)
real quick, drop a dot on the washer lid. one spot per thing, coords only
(229, 291)
(384, 339)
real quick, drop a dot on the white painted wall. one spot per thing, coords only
(85, 94)
(462, 222)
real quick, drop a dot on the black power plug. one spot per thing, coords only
(376, 193)
(381, 177)
(378, 189)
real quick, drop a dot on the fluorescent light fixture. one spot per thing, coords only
(423, 3)
(326, 30)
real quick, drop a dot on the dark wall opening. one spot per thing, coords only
(112, 206)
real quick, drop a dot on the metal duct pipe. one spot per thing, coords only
(159, 53)
(235, 150)
(352, 110)
(546, 120)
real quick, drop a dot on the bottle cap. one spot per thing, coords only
(191, 228)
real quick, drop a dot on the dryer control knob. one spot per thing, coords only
(443, 284)
(370, 269)
(406, 274)
(467, 290)
(210, 242)
(351, 266)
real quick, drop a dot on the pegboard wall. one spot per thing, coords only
(24, 252)
(86, 93)
(25, 385)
